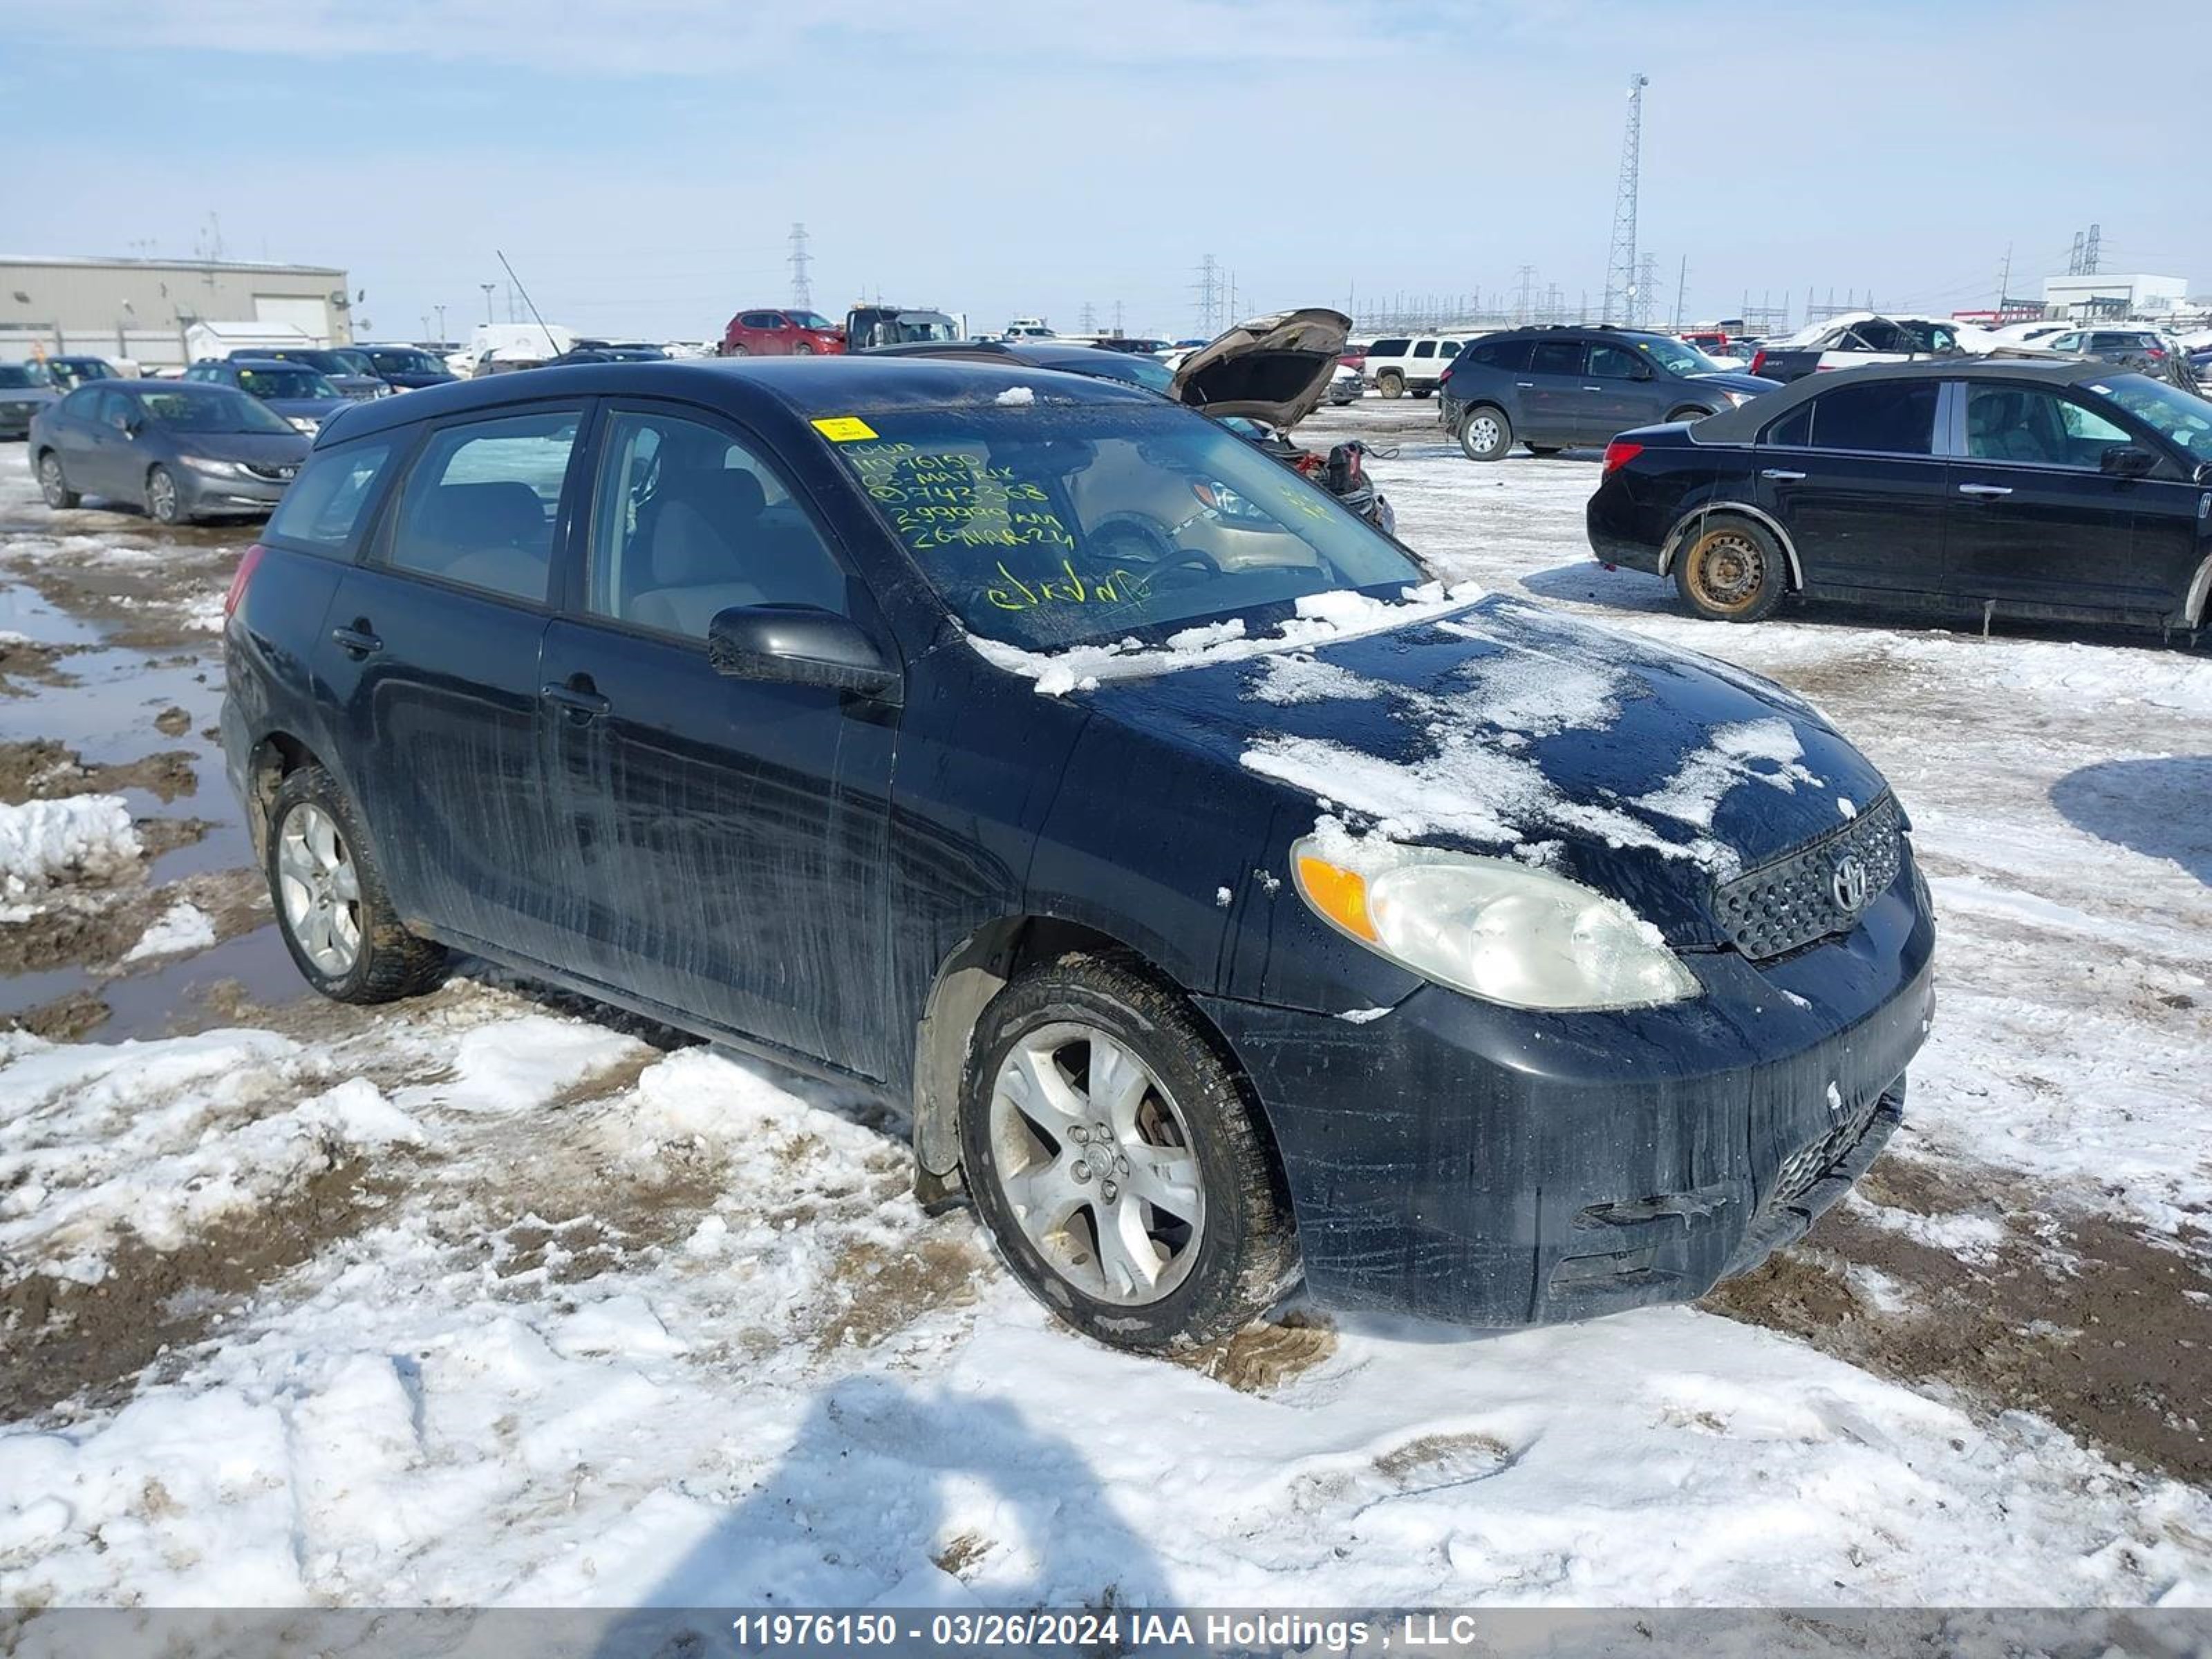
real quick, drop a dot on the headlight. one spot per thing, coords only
(306, 423)
(213, 468)
(1496, 929)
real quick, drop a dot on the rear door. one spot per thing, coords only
(431, 653)
(1854, 477)
(1551, 393)
(2034, 522)
(727, 838)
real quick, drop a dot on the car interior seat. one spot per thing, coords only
(489, 535)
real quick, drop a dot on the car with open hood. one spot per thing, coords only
(1225, 900)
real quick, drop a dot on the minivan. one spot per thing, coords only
(1226, 901)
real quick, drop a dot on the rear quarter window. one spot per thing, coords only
(1500, 353)
(327, 503)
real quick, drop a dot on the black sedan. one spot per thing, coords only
(1221, 898)
(2068, 491)
(181, 449)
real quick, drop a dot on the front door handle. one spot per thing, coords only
(1986, 489)
(1781, 475)
(1524, 386)
(581, 702)
(358, 640)
(1593, 388)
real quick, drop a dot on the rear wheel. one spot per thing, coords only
(1391, 383)
(1486, 435)
(1731, 570)
(1114, 1160)
(738, 351)
(332, 908)
(53, 484)
(163, 503)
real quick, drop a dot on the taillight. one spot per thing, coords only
(1446, 375)
(1619, 453)
(2155, 351)
(247, 562)
(1759, 360)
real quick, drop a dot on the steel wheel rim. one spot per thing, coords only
(1483, 430)
(1095, 1160)
(162, 496)
(318, 890)
(1727, 571)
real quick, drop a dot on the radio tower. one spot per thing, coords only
(1620, 263)
(802, 295)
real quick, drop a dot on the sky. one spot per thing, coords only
(641, 165)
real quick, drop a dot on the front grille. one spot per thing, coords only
(1791, 901)
(270, 472)
(1816, 1157)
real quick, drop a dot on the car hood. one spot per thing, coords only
(1732, 380)
(315, 409)
(1273, 368)
(259, 448)
(1503, 729)
(29, 394)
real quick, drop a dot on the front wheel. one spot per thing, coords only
(1115, 1161)
(1687, 414)
(1731, 570)
(1486, 435)
(53, 485)
(332, 908)
(163, 503)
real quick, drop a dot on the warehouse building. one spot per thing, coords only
(143, 309)
(2096, 295)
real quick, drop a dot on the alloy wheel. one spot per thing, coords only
(1482, 432)
(50, 482)
(162, 496)
(1095, 1161)
(320, 889)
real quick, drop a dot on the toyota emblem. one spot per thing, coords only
(1849, 888)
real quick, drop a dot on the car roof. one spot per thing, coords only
(263, 362)
(192, 388)
(808, 387)
(1742, 424)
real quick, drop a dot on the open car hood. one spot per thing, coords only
(1273, 368)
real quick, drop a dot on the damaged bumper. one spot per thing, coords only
(1476, 1164)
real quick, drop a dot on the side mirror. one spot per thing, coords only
(800, 645)
(2203, 474)
(2127, 461)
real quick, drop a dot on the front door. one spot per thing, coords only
(2035, 522)
(727, 838)
(1854, 478)
(432, 657)
(1618, 393)
(103, 461)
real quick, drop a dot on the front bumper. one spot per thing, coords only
(204, 493)
(1475, 1164)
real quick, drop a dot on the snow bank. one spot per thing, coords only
(183, 928)
(45, 842)
(517, 1063)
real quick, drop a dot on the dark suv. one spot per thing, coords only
(1564, 388)
(1191, 867)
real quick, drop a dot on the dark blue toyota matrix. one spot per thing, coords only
(1232, 902)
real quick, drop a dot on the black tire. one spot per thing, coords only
(738, 351)
(164, 503)
(53, 483)
(1544, 451)
(1688, 412)
(1241, 1259)
(1731, 569)
(802, 350)
(390, 963)
(1391, 383)
(1486, 435)
(1423, 391)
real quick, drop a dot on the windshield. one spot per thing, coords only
(1149, 373)
(921, 325)
(1678, 358)
(285, 383)
(352, 362)
(810, 320)
(212, 410)
(406, 362)
(2175, 414)
(23, 374)
(1048, 526)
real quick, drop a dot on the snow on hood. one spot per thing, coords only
(1972, 340)
(1503, 729)
(1274, 368)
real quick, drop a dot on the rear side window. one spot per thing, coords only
(478, 505)
(1447, 347)
(1500, 353)
(323, 508)
(1889, 418)
(1389, 348)
(1557, 358)
(1425, 348)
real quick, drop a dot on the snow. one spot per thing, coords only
(45, 842)
(626, 1325)
(1735, 756)
(1015, 397)
(183, 928)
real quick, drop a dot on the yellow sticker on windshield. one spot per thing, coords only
(844, 429)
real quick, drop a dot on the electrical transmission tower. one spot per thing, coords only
(1208, 287)
(1528, 275)
(802, 293)
(1620, 263)
(1647, 289)
(2089, 250)
(1088, 322)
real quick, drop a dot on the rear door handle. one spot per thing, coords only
(1593, 388)
(1779, 474)
(583, 705)
(356, 642)
(1986, 489)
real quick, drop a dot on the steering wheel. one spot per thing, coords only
(1131, 539)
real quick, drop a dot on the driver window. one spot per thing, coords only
(2039, 427)
(1611, 362)
(687, 522)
